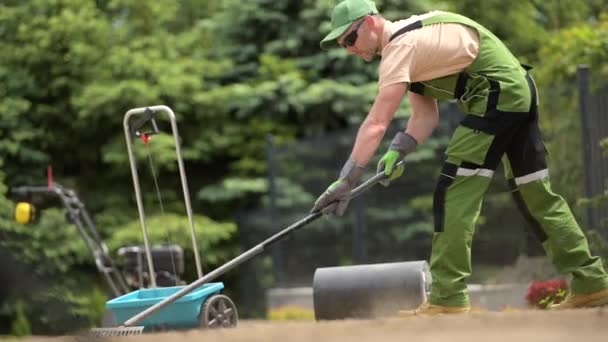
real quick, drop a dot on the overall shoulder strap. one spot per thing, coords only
(413, 26)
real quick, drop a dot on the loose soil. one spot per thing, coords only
(588, 325)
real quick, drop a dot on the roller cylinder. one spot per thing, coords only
(369, 291)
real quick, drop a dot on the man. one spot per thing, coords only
(442, 55)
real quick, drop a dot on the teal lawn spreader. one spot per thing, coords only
(204, 306)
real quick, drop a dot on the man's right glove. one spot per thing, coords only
(337, 196)
(401, 145)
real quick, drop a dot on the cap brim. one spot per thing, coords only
(330, 40)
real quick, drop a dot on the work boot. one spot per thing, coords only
(433, 309)
(587, 300)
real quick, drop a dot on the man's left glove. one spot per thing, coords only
(402, 144)
(337, 196)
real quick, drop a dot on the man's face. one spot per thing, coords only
(357, 40)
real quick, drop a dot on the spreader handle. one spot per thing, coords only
(371, 182)
(247, 255)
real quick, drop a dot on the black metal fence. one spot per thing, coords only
(374, 229)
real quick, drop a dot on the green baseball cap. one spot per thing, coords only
(343, 15)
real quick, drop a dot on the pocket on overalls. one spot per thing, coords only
(469, 145)
(474, 99)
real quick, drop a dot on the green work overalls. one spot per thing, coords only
(500, 100)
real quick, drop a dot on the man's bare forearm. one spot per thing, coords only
(369, 136)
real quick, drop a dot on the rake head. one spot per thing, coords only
(117, 331)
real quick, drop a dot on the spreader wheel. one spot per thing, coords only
(218, 311)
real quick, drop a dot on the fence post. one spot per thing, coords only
(359, 233)
(278, 262)
(582, 73)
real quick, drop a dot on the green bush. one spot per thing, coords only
(291, 313)
(21, 325)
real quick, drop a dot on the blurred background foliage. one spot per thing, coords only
(235, 72)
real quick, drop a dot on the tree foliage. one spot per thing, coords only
(582, 44)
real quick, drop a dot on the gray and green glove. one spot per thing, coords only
(401, 145)
(337, 196)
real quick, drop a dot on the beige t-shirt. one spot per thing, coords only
(429, 52)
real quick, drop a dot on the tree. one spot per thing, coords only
(583, 43)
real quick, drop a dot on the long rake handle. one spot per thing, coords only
(247, 255)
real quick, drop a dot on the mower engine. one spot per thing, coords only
(168, 261)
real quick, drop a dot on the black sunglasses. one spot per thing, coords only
(351, 38)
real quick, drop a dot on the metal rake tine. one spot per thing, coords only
(116, 331)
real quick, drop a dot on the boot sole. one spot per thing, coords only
(597, 302)
(590, 304)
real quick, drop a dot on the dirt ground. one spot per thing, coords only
(587, 325)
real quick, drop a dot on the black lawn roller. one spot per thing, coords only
(369, 291)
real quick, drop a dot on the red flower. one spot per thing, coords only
(542, 294)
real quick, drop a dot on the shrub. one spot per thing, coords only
(21, 325)
(542, 294)
(291, 313)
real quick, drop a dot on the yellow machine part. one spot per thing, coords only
(24, 212)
